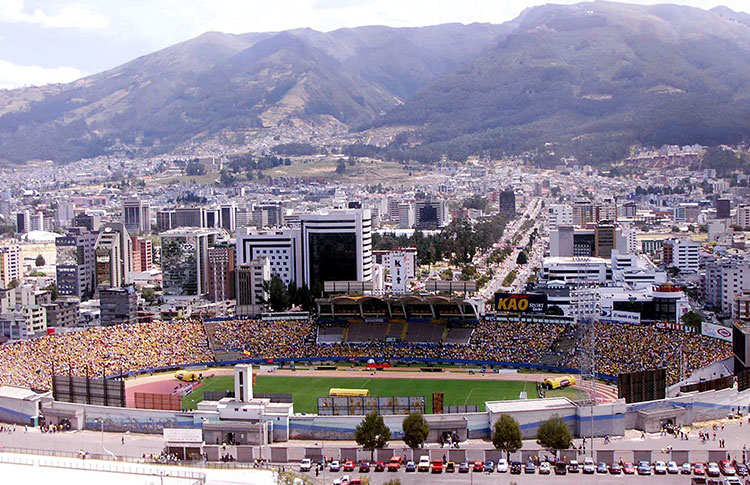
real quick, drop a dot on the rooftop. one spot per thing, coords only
(529, 405)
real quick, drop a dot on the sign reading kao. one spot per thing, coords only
(521, 302)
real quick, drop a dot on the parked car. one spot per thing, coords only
(478, 466)
(713, 469)
(628, 468)
(450, 467)
(410, 466)
(437, 466)
(573, 466)
(732, 481)
(349, 466)
(394, 464)
(561, 468)
(672, 468)
(463, 467)
(334, 466)
(644, 468)
(741, 470)
(515, 468)
(424, 464)
(699, 469)
(305, 465)
(686, 469)
(615, 469)
(489, 466)
(727, 469)
(660, 468)
(364, 466)
(529, 467)
(502, 465)
(544, 468)
(379, 466)
(602, 467)
(589, 467)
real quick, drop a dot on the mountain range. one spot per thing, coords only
(590, 80)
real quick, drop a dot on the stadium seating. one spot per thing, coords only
(458, 336)
(330, 335)
(367, 332)
(425, 332)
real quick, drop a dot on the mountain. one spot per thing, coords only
(223, 86)
(590, 79)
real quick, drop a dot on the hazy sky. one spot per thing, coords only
(44, 41)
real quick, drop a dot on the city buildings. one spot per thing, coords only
(282, 248)
(221, 272)
(10, 264)
(136, 215)
(184, 259)
(251, 294)
(76, 263)
(118, 306)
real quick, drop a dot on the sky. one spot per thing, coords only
(49, 41)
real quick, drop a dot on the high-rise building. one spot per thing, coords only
(23, 222)
(560, 215)
(741, 218)
(506, 201)
(62, 313)
(722, 208)
(114, 256)
(229, 217)
(405, 215)
(10, 264)
(629, 209)
(429, 214)
(142, 254)
(605, 240)
(584, 213)
(118, 306)
(64, 213)
(282, 248)
(92, 222)
(561, 241)
(184, 260)
(682, 254)
(76, 263)
(251, 294)
(136, 215)
(724, 281)
(221, 277)
(167, 219)
(337, 246)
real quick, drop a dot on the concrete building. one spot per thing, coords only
(114, 256)
(64, 213)
(118, 305)
(723, 207)
(92, 222)
(561, 241)
(184, 260)
(221, 277)
(136, 215)
(336, 246)
(682, 254)
(76, 263)
(62, 313)
(560, 215)
(406, 216)
(429, 214)
(229, 217)
(742, 215)
(605, 239)
(251, 294)
(10, 264)
(578, 270)
(35, 317)
(168, 219)
(282, 248)
(143, 258)
(23, 222)
(506, 201)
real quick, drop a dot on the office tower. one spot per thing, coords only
(10, 264)
(229, 217)
(136, 215)
(682, 254)
(76, 263)
(629, 209)
(221, 275)
(282, 248)
(213, 218)
(506, 201)
(64, 213)
(167, 219)
(561, 242)
(184, 260)
(62, 313)
(583, 213)
(92, 222)
(429, 214)
(605, 239)
(741, 218)
(23, 222)
(405, 216)
(560, 215)
(337, 246)
(722, 208)
(118, 306)
(142, 254)
(250, 292)
(5, 204)
(114, 256)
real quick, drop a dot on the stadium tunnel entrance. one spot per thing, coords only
(447, 429)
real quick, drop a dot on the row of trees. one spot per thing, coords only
(281, 297)
(372, 433)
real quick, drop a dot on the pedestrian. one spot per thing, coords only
(122, 440)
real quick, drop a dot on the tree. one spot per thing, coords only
(149, 294)
(693, 319)
(522, 258)
(506, 435)
(13, 284)
(53, 291)
(341, 167)
(291, 478)
(278, 295)
(39, 261)
(372, 432)
(554, 434)
(194, 167)
(394, 481)
(416, 430)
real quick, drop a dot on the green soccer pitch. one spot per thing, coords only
(306, 390)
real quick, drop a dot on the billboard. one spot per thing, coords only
(716, 331)
(641, 386)
(618, 316)
(398, 272)
(521, 302)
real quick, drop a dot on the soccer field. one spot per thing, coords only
(306, 390)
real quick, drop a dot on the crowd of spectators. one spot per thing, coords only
(103, 350)
(110, 350)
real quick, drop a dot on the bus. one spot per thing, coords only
(338, 392)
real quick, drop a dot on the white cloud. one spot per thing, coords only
(73, 16)
(15, 76)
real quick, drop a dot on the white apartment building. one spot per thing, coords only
(282, 248)
(560, 215)
(10, 264)
(742, 215)
(685, 254)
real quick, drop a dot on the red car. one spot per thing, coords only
(478, 466)
(727, 469)
(628, 468)
(379, 466)
(699, 469)
(349, 466)
(394, 463)
(437, 466)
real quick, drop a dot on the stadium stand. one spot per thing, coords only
(458, 335)
(330, 335)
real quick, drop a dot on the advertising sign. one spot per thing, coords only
(618, 316)
(183, 435)
(521, 302)
(716, 331)
(398, 273)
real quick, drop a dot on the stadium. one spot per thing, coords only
(435, 355)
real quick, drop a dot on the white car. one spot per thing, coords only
(672, 468)
(544, 468)
(305, 465)
(335, 466)
(424, 463)
(502, 465)
(713, 469)
(589, 467)
(660, 468)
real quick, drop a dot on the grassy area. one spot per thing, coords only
(306, 390)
